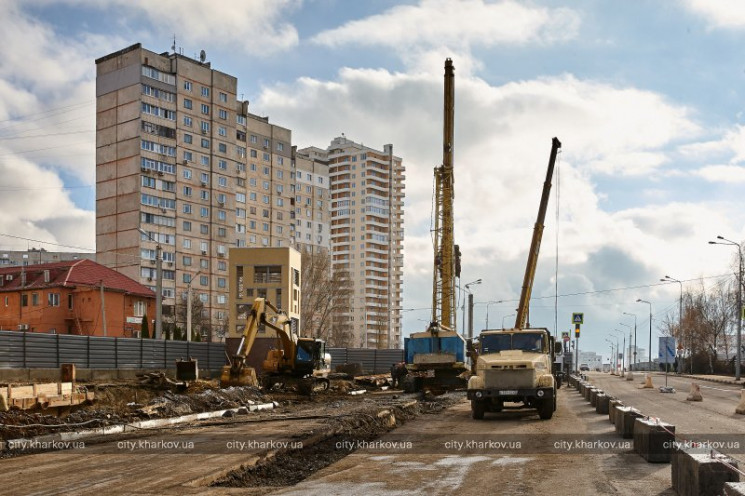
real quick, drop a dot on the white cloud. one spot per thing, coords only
(456, 24)
(720, 13)
(255, 27)
(722, 173)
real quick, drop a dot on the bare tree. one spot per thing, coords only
(324, 294)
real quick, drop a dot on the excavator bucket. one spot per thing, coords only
(245, 376)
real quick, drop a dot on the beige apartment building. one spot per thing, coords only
(367, 194)
(178, 156)
(270, 273)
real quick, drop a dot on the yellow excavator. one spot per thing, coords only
(296, 361)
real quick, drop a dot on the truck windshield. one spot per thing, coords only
(495, 343)
(527, 341)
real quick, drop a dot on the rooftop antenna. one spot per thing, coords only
(202, 56)
(173, 47)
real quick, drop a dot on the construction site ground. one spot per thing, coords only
(379, 442)
(254, 451)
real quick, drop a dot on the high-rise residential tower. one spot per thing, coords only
(184, 168)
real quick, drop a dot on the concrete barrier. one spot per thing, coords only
(698, 474)
(653, 440)
(613, 405)
(625, 418)
(629, 376)
(740, 409)
(588, 392)
(695, 394)
(734, 489)
(601, 404)
(647, 382)
(594, 396)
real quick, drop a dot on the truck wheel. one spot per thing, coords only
(546, 408)
(478, 408)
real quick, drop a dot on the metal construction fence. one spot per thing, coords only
(373, 361)
(36, 350)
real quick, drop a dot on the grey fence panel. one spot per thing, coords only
(175, 350)
(338, 356)
(41, 350)
(217, 357)
(385, 358)
(363, 356)
(11, 349)
(102, 353)
(153, 354)
(73, 349)
(128, 353)
(199, 352)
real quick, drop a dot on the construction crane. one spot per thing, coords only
(522, 318)
(435, 358)
(447, 253)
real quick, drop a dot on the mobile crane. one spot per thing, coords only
(516, 365)
(302, 362)
(435, 358)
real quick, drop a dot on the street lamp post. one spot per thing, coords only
(619, 348)
(639, 300)
(680, 319)
(487, 311)
(158, 286)
(188, 306)
(635, 343)
(465, 288)
(739, 300)
(625, 350)
(612, 355)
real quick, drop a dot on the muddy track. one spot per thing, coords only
(342, 436)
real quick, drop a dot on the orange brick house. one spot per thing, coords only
(67, 298)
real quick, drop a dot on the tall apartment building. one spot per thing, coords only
(180, 158)
(312, 199)
(367, 193)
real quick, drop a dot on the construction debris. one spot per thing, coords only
(43, 396)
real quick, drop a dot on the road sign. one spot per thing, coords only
(578, 318)
(565, 336)
(667, 349)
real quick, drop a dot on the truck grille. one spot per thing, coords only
(509, 378)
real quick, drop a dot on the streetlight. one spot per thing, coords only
(158, 286)
(624, 347)
(680, 321)
(610, 362)
(465, 288)
(188, 306)
(510, 315)
(639, 300)
(628, 360)
(487, 310)
(635, 344)
(739, 301)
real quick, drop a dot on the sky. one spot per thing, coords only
(646, 98)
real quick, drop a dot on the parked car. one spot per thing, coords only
(584, 367)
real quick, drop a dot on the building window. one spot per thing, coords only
(205, 109)
(53, 299)
(187, 190)
(223, 97)
(35, 299)
(205, 143)
(222, 164)
(139, 308)
(186, 208)
(204, 212)
(187, 103)
(70, 300)
(187, 225)
(187, 85)
(187, 121)
(205, 91)
(223, 114)
(222, 148)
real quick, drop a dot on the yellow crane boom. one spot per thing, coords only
(521, 319)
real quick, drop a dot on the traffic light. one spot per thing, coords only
(576, 331)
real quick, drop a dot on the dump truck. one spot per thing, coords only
(517, 365)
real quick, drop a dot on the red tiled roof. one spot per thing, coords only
(72, 273)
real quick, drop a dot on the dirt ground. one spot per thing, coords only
(125, 402)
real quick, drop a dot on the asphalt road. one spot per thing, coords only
(714, 416)
(542, 465)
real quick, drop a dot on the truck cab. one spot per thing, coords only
(513, 365)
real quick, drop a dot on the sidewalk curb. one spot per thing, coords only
(731, 382)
